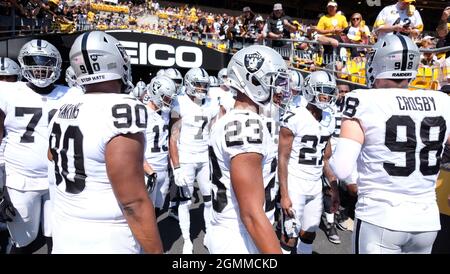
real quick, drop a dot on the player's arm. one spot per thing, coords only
(284, 151)
(332, 179)
(124, 156)
(247, 181)
(148, 168)
(348, 148)
(175, 129)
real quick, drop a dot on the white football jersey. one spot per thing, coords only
(195, 123)
(27, 117)
(237, 132)
(310, 140)
(399, 161)
(157, 136)
(337, 113)
(225, 98)
(2, 149)
(78, 135)
(298, 101)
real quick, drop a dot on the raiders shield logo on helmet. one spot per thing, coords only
(156, 86)
(253, 62)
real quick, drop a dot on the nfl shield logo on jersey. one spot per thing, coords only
(253, 62)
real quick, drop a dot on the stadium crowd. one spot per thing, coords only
(229, 33)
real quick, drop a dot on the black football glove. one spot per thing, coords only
(7, 210)
(151, 181)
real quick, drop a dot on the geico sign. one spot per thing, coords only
(143, 54)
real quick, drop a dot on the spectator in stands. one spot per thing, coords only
(357, 33)
(426, 58)
(443, 30)
(279, 26)
(28, 10)
(248, 23)
(261, 30)
(6, 15)
(330, 27)
(401, 17)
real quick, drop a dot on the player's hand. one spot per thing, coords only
(151, 181)
(286, 206)
(179, 177)
(7, 210)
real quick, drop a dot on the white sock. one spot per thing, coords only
(330, 217)
(184, 219)
(304, 248)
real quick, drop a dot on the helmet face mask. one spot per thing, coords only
(166, 103)
(281, 93)
(40, 62)
(321, 89)
(197, 83)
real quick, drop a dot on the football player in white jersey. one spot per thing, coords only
(222, 76)
(71, 78)
(303, 151)
(220, 93)
(139, 90)
(296, 86)
(348, 187)
(9, 72)
(189, 146)
(160, 93)
(240, 155)
(396, 138)
(26, 108)
(101, 204)
(176, 77)
(271, 114)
